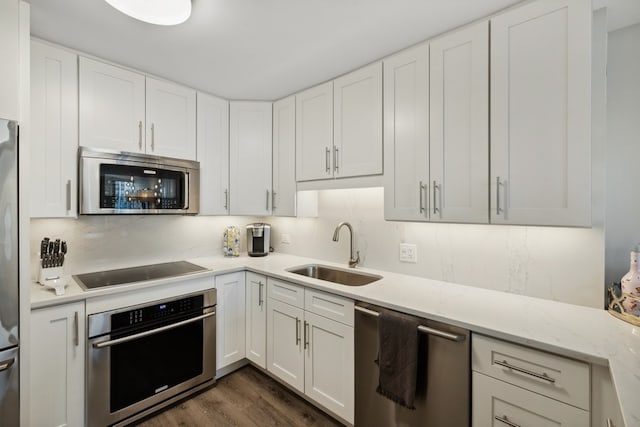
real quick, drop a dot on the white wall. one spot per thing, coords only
(562, 264)
(623, 150)
(105, 242)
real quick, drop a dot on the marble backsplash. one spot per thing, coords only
(561, 264)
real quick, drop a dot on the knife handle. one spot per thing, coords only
(63, 247)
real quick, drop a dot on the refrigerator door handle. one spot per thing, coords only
(6, 364)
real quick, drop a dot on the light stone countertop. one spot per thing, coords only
(575, 331)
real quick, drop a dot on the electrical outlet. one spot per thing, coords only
(285, 239)
(408, 253)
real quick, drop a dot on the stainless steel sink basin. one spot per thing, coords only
(335, 275)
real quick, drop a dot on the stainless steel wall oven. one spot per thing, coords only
(147, 356)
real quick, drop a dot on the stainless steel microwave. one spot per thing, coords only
(114, 182)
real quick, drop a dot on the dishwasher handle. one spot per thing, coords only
(421, 328)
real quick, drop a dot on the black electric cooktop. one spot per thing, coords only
(122, 276)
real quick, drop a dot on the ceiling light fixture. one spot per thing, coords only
(159, 12)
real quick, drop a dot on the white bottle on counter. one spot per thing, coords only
(630, 284)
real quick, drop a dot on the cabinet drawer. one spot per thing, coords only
(558, 377)
(329, 306)
(285, 292)
(498, 404)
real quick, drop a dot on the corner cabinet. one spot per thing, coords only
(541, 114)
(57, 364)
(256, 319)
(250, 133)
(213, 154)
(230, 319)
(283, 200)
(310, 344)
(112, 107)
(54, 131)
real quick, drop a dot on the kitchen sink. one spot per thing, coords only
(335, 275)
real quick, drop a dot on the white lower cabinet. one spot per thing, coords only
(605, 406)
(256, 319)
(230, 319)
(57, 365)
(496, 403)
(311, 352)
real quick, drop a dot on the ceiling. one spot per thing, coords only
(262, 49)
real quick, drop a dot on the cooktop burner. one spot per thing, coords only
(121, 276)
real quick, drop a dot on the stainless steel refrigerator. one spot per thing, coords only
(9, 291)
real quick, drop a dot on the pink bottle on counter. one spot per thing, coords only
(630, 284)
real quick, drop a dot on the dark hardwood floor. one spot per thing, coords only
(244, 398)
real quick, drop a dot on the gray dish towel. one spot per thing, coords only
(398, 357)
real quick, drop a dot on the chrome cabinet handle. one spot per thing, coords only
(153, 136)
(6, 364)
(435, 188)
(76, 334)
(326, 160)
(260, 300)
(421, 201)
(140, 134)
(273, 200)
(267, 200)
(306, 334)
(68, 195)
(498, 210)
(421, 328)
(542, 376)
(226, 199)
(505, 420)
(336, 168)
(297, 331)
(110, 343)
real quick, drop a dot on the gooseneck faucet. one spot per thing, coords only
(336, 234)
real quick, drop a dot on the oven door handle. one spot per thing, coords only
(109, 343)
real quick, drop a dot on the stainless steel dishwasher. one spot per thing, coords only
(443, 392)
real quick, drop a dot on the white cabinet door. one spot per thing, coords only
(250, 136)
(9, 68)
(605, 406)
(540, 114)
(406, 134)
(329, 364)
(213, 154)
(357, 122)
(496, 403)
(314, 133)
(57, 366)
(171, 120)
(256, 318)
(230, 319)
(112, 107)
(54, 132)
(285, 355)
(459, 126)
(284, 157)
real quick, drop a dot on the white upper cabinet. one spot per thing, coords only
(459, 126)
(406, 134)
(54, 131)
(540, 114)
(357, 122)
(112, 107)
(314, 133)
(213, 154)
(9, 68)
(171, 120)
(284, 157)
(250, 158)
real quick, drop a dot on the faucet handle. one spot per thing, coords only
(354, 262)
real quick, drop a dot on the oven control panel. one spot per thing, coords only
(156, 312)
